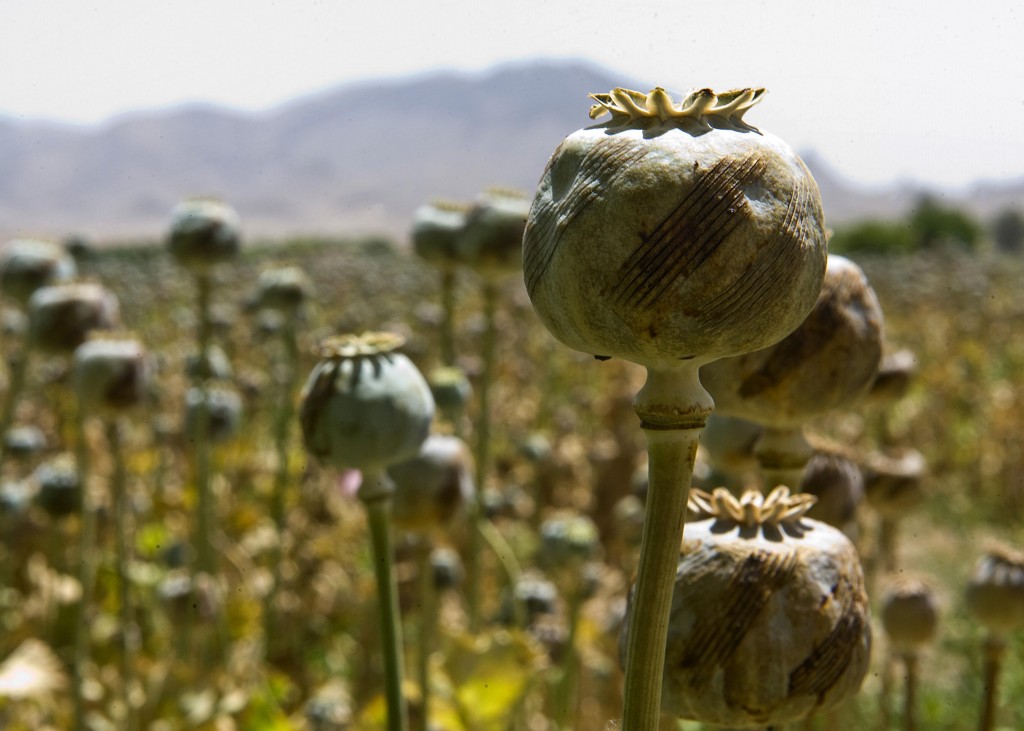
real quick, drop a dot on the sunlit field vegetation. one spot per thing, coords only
(564, 442)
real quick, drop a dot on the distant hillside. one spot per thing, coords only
(358, 158)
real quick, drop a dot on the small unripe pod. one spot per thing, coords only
(432, 487)
(24, 441)
(827, 363)
(451, 391)
(62, 316)
(568, 542)
(216, 365)
(895, 373)
(59, 488)
(673, 232)
(995, 594)
(110, 375)
(537, 595)
(436, 228)
(910, 614)
(893, 482)
(447, 568)
(204, 232)
(838, 484)
(28, 264)
(492, 240)
(769, 617)
(284, 289)
(365, 405)
(223, 413)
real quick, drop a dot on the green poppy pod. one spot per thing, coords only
(432, 487)
(995, 594)
(828, 362)
(492, 240)
(28, 264)
(674, 232)
(436, 228)
(223, 412)
(910, 614)
(284, 289)
(365, 405)
(451, 390)
(59, 490)
(567, 542)
(769, 618)
(60, 317)
(204, 232)
(110, 374)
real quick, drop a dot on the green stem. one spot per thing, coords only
(673, 407)
(428, 625)
(483, 454)
(205, 560)
(566, 696)
(15, 386)
(507, 557)
(783, 454)
(119, 494)
(448, 322)
(910, 691)
(995, 646)
(887, 544)
(86, 573)
(282, 421)
(885, 693)
(375, 494)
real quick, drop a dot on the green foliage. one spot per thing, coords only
(1008, 230)
(872, 237)
(934, 225)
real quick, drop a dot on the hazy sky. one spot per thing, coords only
(929, 90)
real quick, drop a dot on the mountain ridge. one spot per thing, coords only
(354, 159)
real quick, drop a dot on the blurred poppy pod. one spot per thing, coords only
(567, 542)
(836, 481)
(204, 232)
(893, 482)
(910, 614)
(828, 362)
(451, 391)
(492, 239)
(62, 316)
(995, 594)
(769, 616)
(436, 228)
(284, 289)
(365, 405)
(28, 264)
(59, 487)
(674, 232)
(895, 374)
(110, 374)
(24, 441)
(223, 412)
(432, 487)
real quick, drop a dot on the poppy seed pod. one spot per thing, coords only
(893, 482)
(365, 405)
(110, 375)
(995, 594)
(223, 412)
(827, 363)
(769, 617)
(284, 289)
(838, 484)
(61, 316)
(910, 614)
(674, 232)
(451, 390)
(204, 232)
(24, 441)
(59, 486)
(895, 373)
(433, 486)
(567, 542)
(492, 240)
(436, 228)
(28, 264)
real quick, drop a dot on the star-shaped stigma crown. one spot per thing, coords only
(753, 509)
(703, 107)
